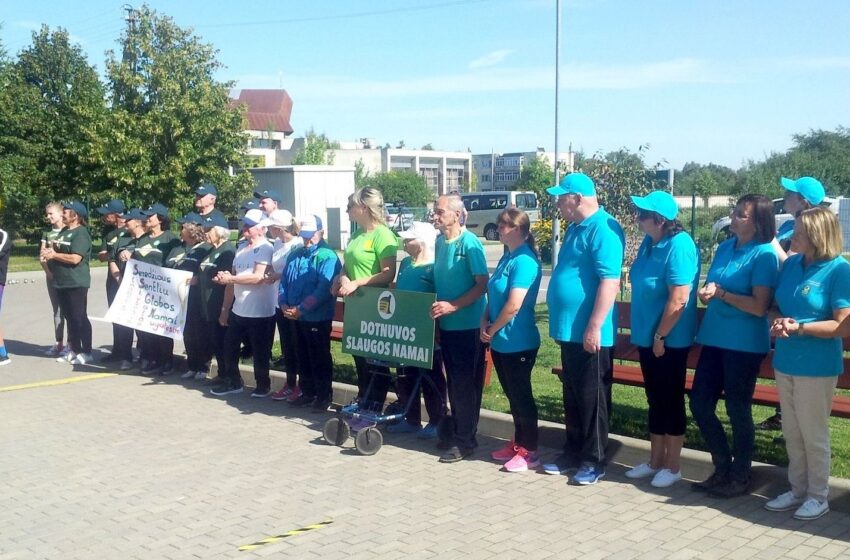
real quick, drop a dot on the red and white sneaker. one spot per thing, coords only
(523, 460)
(506, 453)
(283, 394)
(294, 394)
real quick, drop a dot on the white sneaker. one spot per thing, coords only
(665, 478)
(783, 502)
(200, 376)
(641, 471)
(811, 509)
(189, 374)
(67, 358)
(55, 351)
(82, 359)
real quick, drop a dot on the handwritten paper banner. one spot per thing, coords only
(152, 299)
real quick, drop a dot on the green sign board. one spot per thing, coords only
(389, 325)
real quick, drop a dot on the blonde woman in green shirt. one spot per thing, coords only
(368, 260)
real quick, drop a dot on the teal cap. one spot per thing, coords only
(574, 183)
(808, 187)
(659, 202)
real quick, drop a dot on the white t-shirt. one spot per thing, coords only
(255, 300)
(281, 252)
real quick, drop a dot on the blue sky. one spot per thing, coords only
(707, 81)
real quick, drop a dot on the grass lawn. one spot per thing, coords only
(629, 415)
(24, 257)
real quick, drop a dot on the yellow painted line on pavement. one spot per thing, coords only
(63, 381)
(277, 538)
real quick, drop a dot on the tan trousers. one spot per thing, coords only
(806, 403)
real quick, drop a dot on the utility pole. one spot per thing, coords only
(556, 218)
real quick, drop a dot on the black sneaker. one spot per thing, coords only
(772, 424)
(226, 389)
(732, 489)
(707, 485)
(260, 393)
(321, 405)
(303, 400)
(455, 454)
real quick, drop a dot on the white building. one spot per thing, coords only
(499, 172)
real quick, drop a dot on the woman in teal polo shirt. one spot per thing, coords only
(509, 327)
(812, 299)
(665, 278)
(735, 338)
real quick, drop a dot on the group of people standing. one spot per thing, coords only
(757, 287)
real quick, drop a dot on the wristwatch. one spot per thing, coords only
(658, 337)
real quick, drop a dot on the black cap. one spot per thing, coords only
(205, 189)
(250, 203)
(114, 206)
(213, 220)
(268, 194)
(134, 214)
(158, 209)
(191, 218)
(77, 207)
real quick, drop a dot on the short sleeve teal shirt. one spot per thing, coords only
(519, 269)
(415, 277)
(592, 252)
(673, 261)
(456, 265)
(737, 270)
(807, 294)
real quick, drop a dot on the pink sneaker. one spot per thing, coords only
(523, 460)
(506, 453)
(283, 394)
(294, 394)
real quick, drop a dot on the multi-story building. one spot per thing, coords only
(499, 172)
(267, 113)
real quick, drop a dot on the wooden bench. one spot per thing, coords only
(336, 334)
(627, 369)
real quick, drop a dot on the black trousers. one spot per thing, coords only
(111, 290)
(514, 371)
(315, 364)
(288, 331)
(432, 387)
(195, 335)
(587, 380)
(260, 331)
(214, 343)
(373, 382)
(73, 302)
(664, 384)
(463, 354)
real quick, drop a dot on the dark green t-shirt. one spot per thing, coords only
(187, 258)
(155, 250)
(75, 241)
(112, 240)
(212, 295)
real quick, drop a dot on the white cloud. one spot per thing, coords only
(490, 59)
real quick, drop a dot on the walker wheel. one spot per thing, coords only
(369, 441)
(336, 431)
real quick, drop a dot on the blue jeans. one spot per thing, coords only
(733, 373)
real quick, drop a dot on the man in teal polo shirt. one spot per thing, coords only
(581, 297)
(460, 280)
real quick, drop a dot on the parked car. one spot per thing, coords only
(483, 209)
(721, 226)
(398, 217)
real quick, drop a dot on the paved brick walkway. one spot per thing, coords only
(124, 467)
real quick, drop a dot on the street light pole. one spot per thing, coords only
(556, 219)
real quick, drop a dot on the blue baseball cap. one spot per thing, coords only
(659, 202)
(214, 219)
(574, 183)
(250, 204)
(205, 189)
(133, 214)
(77, 207)
(114, 206)
(260, 195)
(191, 218)
(156, 209)
(808, 187)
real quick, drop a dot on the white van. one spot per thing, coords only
(483, 209)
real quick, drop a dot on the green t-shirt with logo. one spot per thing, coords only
(363, 255)
(212, 295)
(155, 250)
(75, 241)
(111, 241)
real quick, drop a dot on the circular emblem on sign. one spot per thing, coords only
(386, 305)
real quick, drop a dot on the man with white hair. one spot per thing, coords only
(460, 279)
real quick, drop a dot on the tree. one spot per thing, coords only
(427, 146)
(537, 176)
(316, 150)
(52, 122)
(173, 125)
(401, 187)
(361, 174)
